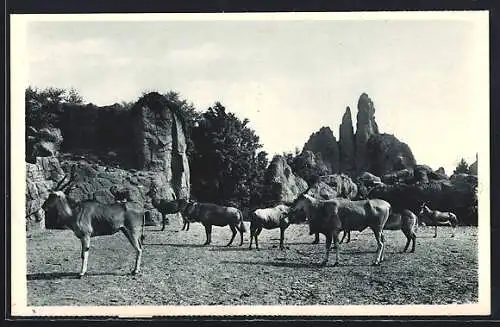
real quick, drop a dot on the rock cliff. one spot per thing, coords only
(324, 144)
(365, 128)
(347, 145)
(280, 183)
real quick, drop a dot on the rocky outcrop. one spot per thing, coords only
(106, 185)
(457, 195)
(342, 184)
(159, 141)
(365, 128)
(324, 145)
(41, 177)
(281, 185)
(334, 186)
(386, 154)
(309, 166)
(44, 142)
(347, 145)
(473, 167)
(400, 176)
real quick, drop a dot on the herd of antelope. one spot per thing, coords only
(91, 218)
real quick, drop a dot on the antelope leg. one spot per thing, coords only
(85, 253)
(282, 238)
(380, 246)
(328, 246)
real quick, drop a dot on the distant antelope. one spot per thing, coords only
(438, 217)
(168, 207)
(90, 218)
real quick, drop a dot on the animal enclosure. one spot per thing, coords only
(177, 270)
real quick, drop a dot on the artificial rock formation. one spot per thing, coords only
(281, 184)
(386, 154)
(365, 128)
(44, 142)
(347, 145)
(41, 177)
(473, 167)
(323, 144)
(159, 141)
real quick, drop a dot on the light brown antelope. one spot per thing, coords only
(406, 221)
(329, 217)
(210, 214)
(90, 218)
(438, 217)
(269, 218)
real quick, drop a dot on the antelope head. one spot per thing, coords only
(59, 191)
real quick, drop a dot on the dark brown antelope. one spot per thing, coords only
(439, 218)
(269, 218)
(90, 218)
(210, 214)
(406, 221)
(329, 217)
(167, 207)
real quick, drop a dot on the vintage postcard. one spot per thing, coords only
(290, 164)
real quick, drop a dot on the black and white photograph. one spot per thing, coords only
(296, 164)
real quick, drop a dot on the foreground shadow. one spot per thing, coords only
(286, 264)
(229, 248)
(176, 245)
(69, 275)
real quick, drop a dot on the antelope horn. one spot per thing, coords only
(56, 188)
(73, 173)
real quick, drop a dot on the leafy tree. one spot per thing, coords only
(462, 167)
(42, 105)
(225, 168)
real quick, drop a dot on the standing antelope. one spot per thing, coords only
(90, 218)
(438, 217)
(330, 217)
(168, 207)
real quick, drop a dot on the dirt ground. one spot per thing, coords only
(177, 270)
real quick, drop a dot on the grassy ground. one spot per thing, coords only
(177, 270)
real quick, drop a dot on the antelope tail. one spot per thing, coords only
(242, 225)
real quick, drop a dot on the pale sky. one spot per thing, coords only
(289, 78)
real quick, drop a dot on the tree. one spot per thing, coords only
(42, 105)
(225, 168)
(462, 167)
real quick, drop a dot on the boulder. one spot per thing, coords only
(365, 128)
(41, 177)
(347, 146)
(343, 185)
(309, 166)
(324, 145)
(399, 176)
(369, 179)
(45, 142)
(281, 185)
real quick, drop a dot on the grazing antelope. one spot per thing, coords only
(212, 214)
(329, 217)
(438, 217)
(90, 218)
(269, 218)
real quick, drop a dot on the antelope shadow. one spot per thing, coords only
(70, 275)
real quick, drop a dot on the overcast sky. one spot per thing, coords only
(289, 78)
